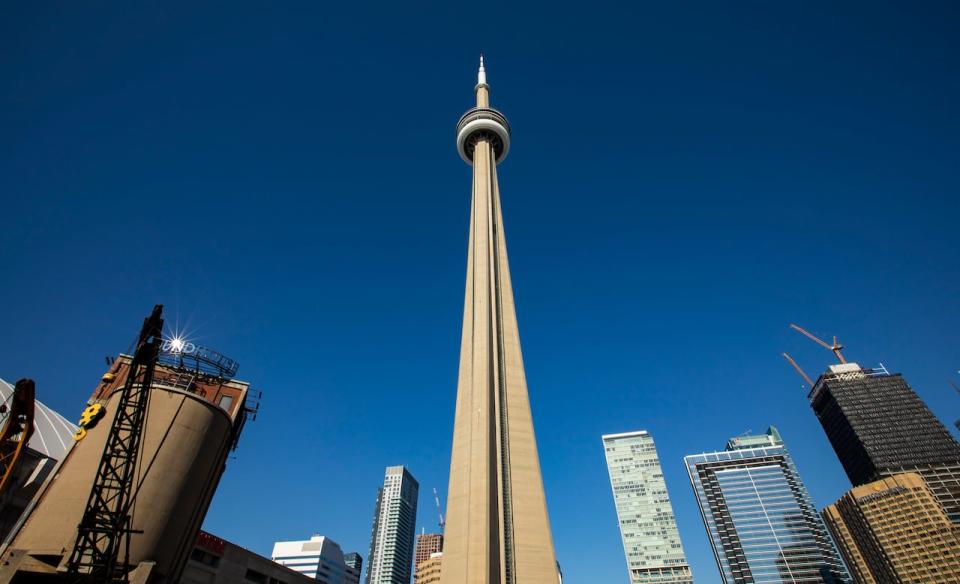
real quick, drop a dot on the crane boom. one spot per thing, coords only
(436, 498)
(836, 347)
(798, 369)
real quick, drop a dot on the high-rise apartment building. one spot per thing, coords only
(651, 540)
(429, 570)
(394, 525)
(354, 562)
(497, 528)
(318, 557)
(427, 545)
(879, 427)
(895, 530)
(761, 521)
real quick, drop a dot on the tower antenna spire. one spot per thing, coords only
(482, 72)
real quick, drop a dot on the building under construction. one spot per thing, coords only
(879, 427)
(128, 498)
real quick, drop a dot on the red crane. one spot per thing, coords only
(17, 429)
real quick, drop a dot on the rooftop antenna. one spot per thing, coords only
(836, 347)
(436, 498)
(798, 369)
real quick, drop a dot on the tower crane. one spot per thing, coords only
(436, 498)
(836, 347)
(17, 429)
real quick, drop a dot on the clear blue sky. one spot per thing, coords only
(685, 180)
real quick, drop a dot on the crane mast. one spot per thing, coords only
(105, 528)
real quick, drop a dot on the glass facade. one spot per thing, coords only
(648, 528)
(761, 521)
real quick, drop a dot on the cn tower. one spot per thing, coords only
(497, 529)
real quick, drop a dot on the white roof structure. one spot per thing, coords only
(625, 435)
(52, 433)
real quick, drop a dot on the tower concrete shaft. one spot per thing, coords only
(497, 529)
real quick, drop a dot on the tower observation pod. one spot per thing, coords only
(497, 528)
(483, 123)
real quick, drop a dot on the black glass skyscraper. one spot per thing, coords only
(879, 427)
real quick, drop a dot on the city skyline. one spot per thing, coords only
(731, 172)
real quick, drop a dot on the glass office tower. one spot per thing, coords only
(761, 522)
(648, 528)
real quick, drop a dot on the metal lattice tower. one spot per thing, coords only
(106, 525)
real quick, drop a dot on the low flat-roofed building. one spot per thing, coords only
(216, 561)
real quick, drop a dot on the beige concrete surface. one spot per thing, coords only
(497, 529)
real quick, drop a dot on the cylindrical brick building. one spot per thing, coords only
(193, 419)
